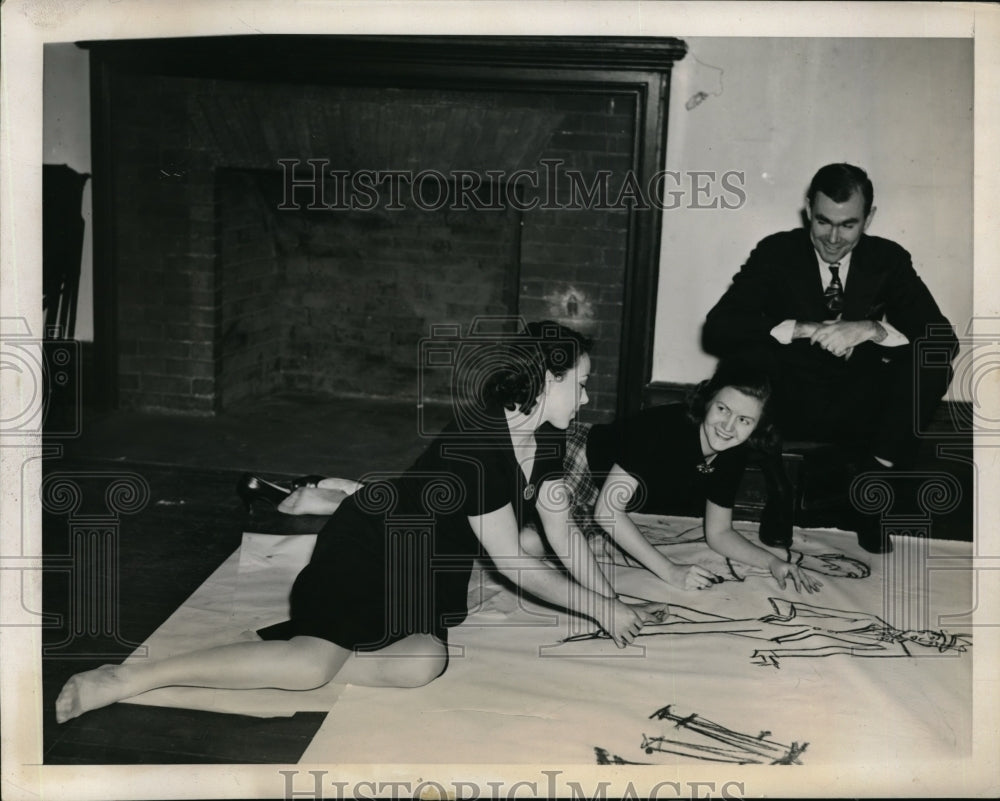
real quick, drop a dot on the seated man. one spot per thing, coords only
(832, 315)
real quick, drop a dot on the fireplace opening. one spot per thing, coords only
(336, 301)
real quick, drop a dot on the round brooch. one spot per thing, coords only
(705, 468)
(529, 492)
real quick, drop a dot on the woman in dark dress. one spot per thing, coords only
(390, 570)
(684, 454)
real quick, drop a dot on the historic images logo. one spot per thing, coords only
(313, 186)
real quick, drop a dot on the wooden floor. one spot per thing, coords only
(190, 523)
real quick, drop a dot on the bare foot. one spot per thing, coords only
(90, 690)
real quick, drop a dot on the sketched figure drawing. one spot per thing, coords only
(700, 738)
(814, 631)
(605, 757)
(692, 543)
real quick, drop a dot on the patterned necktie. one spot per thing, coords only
(834, 292)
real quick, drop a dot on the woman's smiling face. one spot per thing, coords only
(730, 418)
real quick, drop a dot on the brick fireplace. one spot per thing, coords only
(232, 263)
(337, 302)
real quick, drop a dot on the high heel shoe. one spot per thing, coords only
(252, 488)
(306, 481)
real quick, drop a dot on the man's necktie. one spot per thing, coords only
(834, 292)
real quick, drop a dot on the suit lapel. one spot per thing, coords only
(805, 282)
(863, 280)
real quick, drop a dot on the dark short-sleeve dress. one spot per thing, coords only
(661, 448)
(396, 557)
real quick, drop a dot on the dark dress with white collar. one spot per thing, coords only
(396, 557)
(661, 448)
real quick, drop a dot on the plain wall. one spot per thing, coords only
(66, 140)
(777, 110)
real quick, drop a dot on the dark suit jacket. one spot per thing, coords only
(781, 281)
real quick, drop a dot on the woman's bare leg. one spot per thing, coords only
(301, 663)
(412, 662)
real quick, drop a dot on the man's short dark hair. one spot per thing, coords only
(839, 181)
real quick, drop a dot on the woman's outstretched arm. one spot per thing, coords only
(498, 533)
(723, 538)
(566, 540)
(610, 514)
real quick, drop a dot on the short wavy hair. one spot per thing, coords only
(749, 380)
(517, 372)
(839, 181)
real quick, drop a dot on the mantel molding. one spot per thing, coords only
(301, 56)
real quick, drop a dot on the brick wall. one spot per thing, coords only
(360, 289)
(197, 285)
(250, 335)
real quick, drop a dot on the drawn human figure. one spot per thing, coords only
(816, 631)
(691, 546)
(605, 757)
(735, 747)
(700, 738)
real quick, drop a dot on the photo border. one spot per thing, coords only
(28, 25)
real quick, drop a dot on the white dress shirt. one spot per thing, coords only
(784, 330)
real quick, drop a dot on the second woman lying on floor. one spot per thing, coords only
(691, 456)
(688, 457)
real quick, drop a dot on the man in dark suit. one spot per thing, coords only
(833, 315)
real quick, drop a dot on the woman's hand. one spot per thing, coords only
(801, 579)
(652, 611)
(690, 577)
(622, 621)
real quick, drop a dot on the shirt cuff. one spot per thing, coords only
(894, 338)
(783, 331)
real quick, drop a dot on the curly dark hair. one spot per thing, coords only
(749, 380)
(517, 366)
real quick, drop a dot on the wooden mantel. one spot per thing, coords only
(637, 67)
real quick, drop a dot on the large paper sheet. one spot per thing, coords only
(514, 694)
(742, 672)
